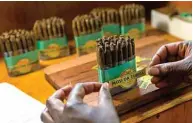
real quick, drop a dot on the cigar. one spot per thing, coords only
(24, 43)
(14, 47)
(120, 52)
(74, 28)
(54, 28)
(44, 28)
(38, 30)
(83, 25)
(29, 42)
(100, 57)
(92, 26)
(121, 16)
(124, 50)
(49, 28)
(130, 52)
(108, 57)
(133, 46)
(19, 45)
(8, 47)
(79, 27)
(88, 26)
(58, 28)
(114, 54)
(62, 22)
(3, 47)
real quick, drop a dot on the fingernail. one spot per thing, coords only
(153, 71)
(106, 85)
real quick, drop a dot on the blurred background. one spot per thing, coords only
(16, 15)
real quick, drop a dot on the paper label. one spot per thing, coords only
(116, 75)
(87, 43)
(23, 63)
(111, 29)
(53, 48)
(134, 30)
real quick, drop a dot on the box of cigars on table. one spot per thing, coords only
(110, 20)
(51, 38)
(86, 29)
(20, 54)
(116, 59)
(132, 18)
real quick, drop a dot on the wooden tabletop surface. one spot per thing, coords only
(35, 84)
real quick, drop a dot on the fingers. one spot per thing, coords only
(55, 103)
(82, 89)
(105, 99)
(166, 68)
(162, 84)
(165, 51)
(45, 117)
(155, 79)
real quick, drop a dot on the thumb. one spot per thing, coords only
(170, 67)
(105, 98)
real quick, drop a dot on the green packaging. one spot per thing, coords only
(86, 43)
(112, 75)
(111, 29)
(22, 64)
(133, 30)
(53, 48)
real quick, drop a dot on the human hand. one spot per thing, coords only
(172, 64)
(75, 110)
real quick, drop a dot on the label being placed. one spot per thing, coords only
(128, 79)
(117, 76)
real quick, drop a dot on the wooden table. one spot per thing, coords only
(35, 85)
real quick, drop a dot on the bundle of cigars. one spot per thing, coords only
(116, 58)
(132, 18)
(20, 54)
(51, 38)
(86, 29)
(110, 20)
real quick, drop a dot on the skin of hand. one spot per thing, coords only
(75, 110)
(172, 64)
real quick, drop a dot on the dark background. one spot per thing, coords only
(15, 15)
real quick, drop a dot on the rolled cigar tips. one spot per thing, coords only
(17, 42)
(49, 28)
(85, 24)
(131, 13)
(106, 15)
